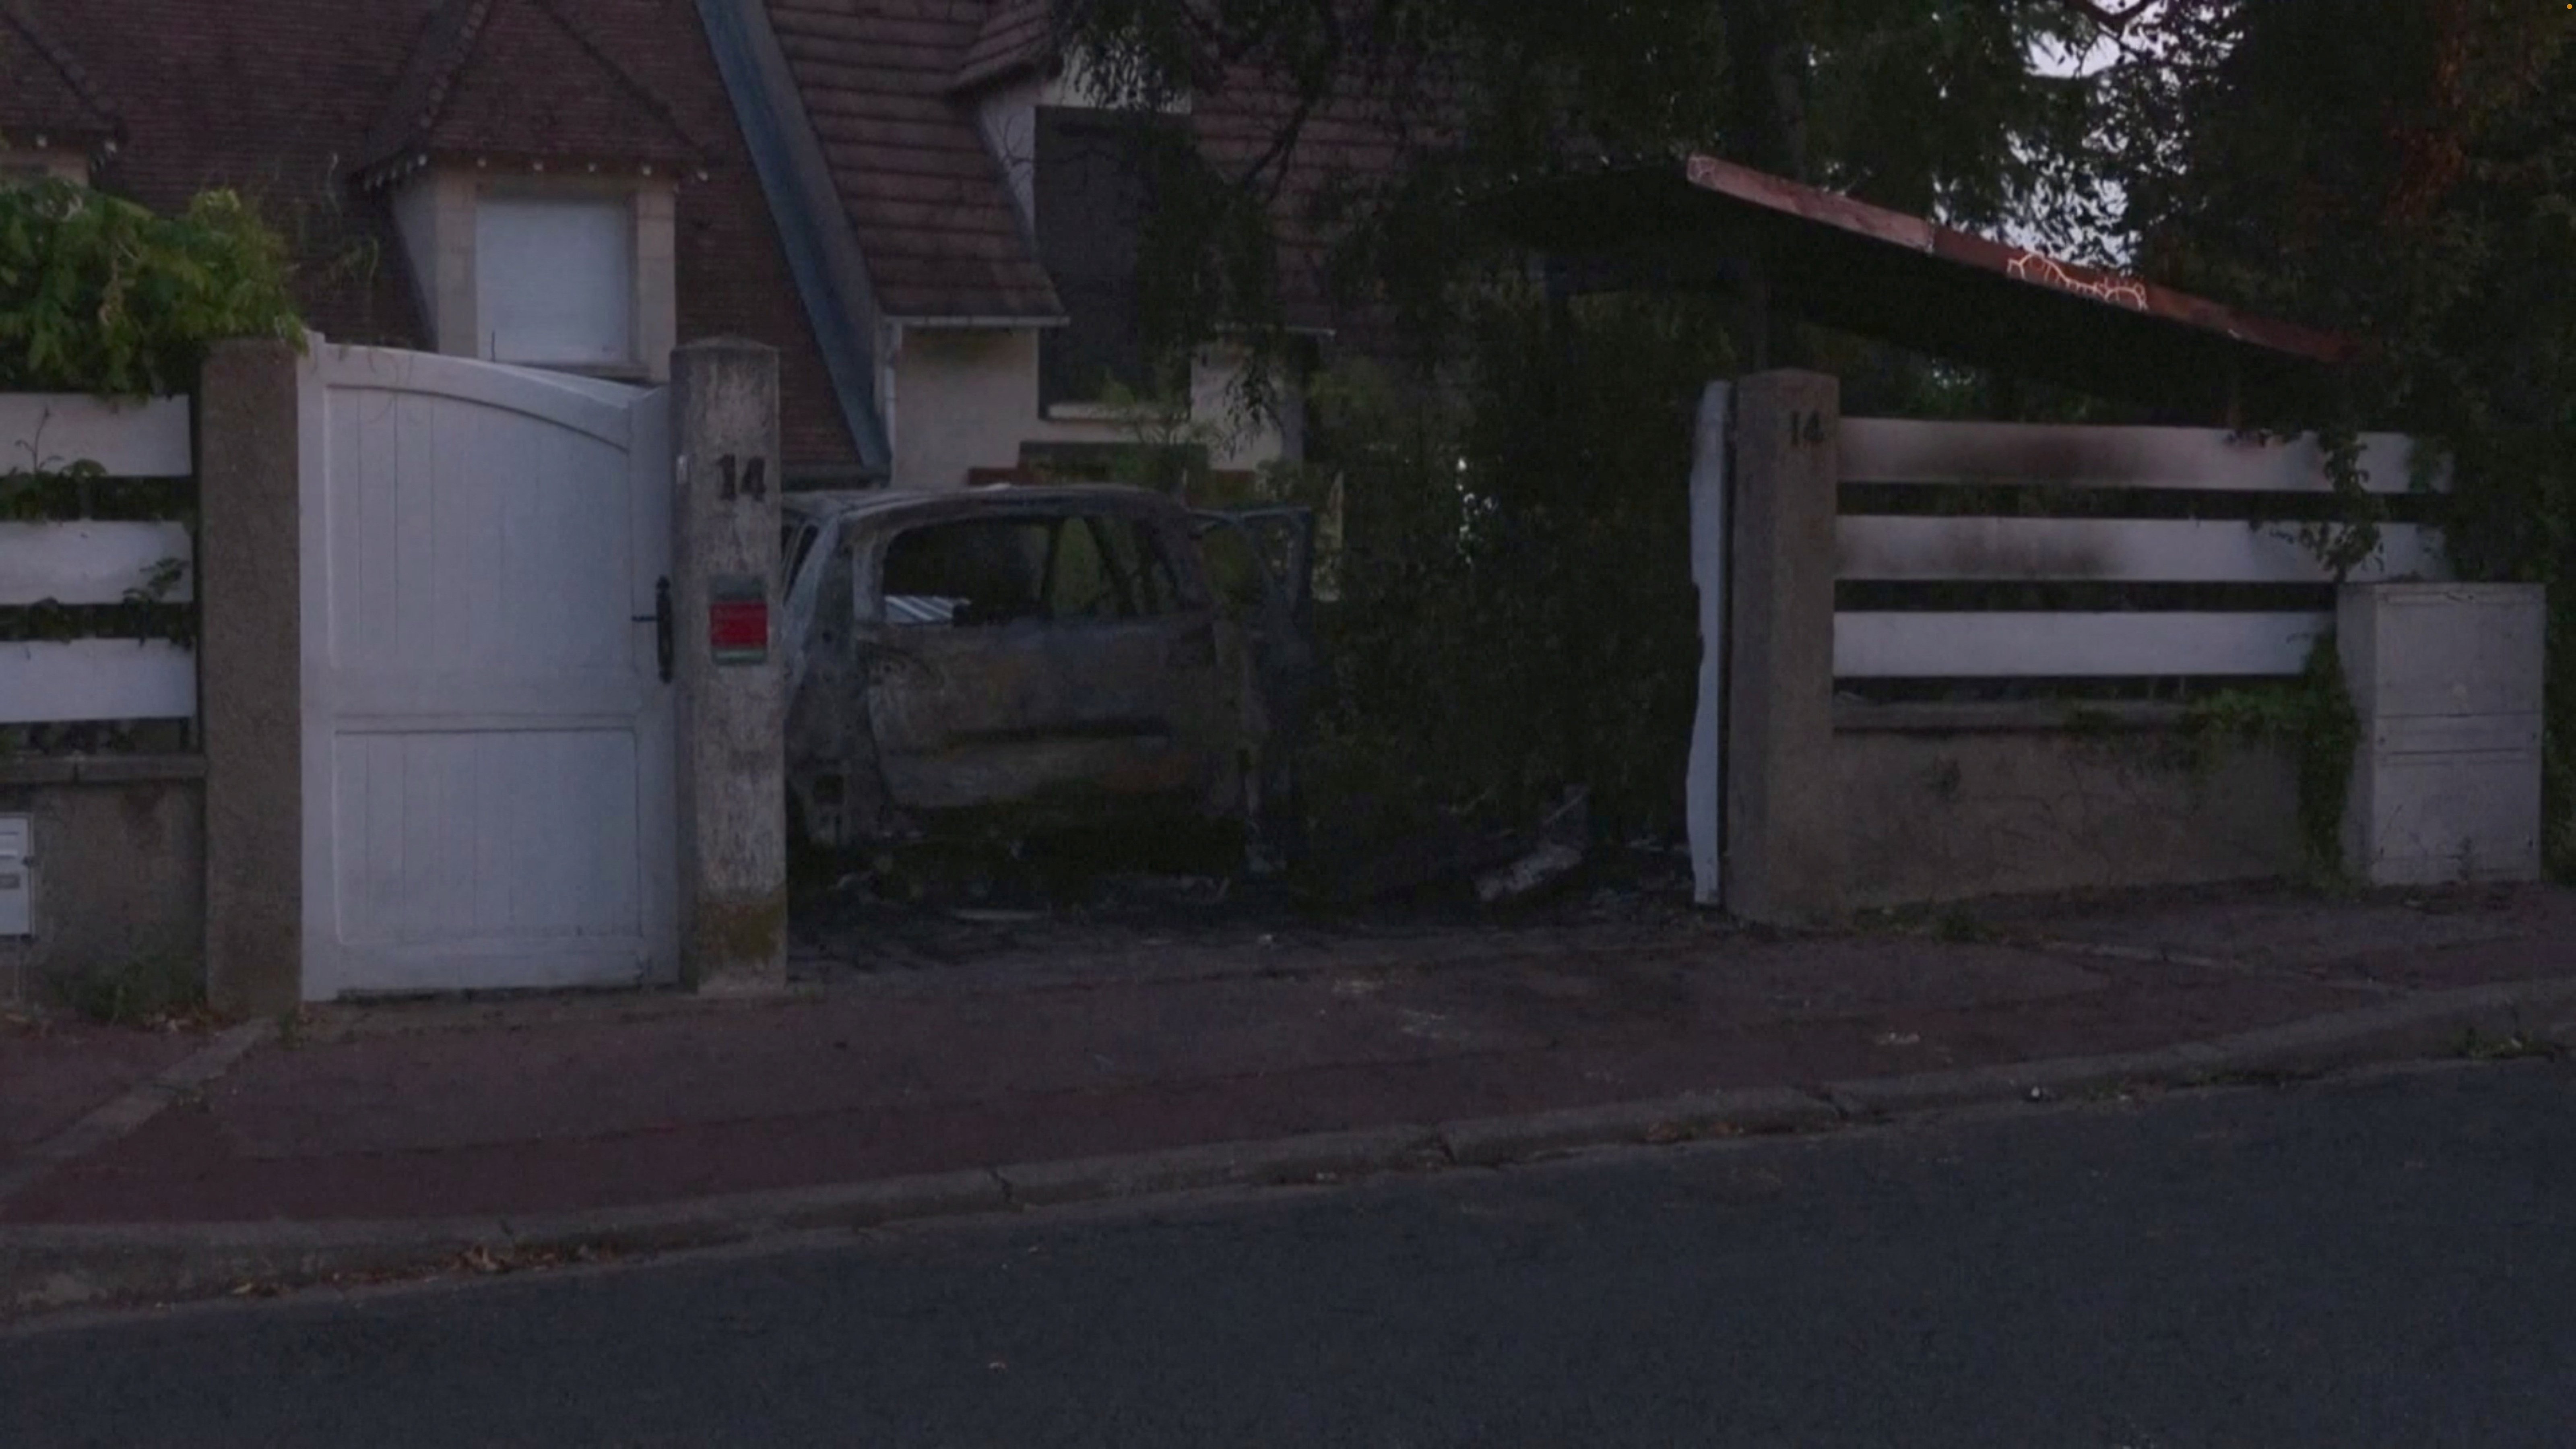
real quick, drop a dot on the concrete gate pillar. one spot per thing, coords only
(1784, 826)
(732, 746)
(250, 663)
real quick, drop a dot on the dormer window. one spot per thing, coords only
(555, 280)
(576, 273)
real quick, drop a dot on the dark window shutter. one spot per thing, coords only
(1091, 200)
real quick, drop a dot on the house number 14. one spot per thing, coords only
(748, 479)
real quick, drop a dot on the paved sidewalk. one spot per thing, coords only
(1040, 1052)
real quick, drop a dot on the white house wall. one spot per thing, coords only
(434, 214)
(1008, 118)
(968, 398)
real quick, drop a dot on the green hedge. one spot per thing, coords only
(99, 295)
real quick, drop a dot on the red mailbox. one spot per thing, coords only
(738, 620)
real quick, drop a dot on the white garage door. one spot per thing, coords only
(487, 736)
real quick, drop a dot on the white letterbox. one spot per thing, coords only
(17, 874)
(2447, 681)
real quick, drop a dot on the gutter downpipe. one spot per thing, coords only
(822, 250)
(891, 354)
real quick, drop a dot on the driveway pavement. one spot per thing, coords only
(1043, 1042)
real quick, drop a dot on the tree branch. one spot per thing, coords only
(1314, 83)
(2114, 18)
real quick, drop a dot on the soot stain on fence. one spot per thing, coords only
(1987, 552)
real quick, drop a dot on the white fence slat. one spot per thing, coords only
(50, 682)
(147, 439)
(88, 563)
(2179, 551)
(2097, 646)
(1899, 450)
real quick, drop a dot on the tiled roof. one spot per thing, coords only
(44, 92)
(522, 79)
(884, 82)
(926, 196)
(278, 98)
(1017, 35)
(1344, 140)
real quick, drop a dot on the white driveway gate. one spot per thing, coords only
(488, 730)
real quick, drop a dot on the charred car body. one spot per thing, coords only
(1001, 662)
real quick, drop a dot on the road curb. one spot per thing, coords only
(52, 1267)
(1496, 1141)
(1319, 1157)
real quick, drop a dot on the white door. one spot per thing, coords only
(488, 787)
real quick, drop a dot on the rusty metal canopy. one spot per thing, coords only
(1900, 279)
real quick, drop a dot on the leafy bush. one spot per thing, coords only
(1516, 613)
(100, 295)
(2401, 172)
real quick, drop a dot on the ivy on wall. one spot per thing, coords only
(83, 490)
(2312, 717)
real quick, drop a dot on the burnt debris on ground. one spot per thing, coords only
(960, 907)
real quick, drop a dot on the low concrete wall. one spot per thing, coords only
(1951, 802)
(120, 865)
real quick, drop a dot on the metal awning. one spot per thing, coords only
(1903, 280)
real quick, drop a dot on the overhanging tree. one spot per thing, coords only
(1920, 105)
(2404, 170)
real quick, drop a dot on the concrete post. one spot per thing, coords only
(732, 688)
(1703, 812)
(250, 674)
(1784, 830)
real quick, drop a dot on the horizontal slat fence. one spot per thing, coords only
(52, 431)
(89, 562)
(53, 564)
(63, 681)
(2203, 460)
(1943, 645)
(2112, 550)
(1942, 642)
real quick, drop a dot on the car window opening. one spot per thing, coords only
(990, 571)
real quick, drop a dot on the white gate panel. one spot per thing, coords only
(488, 763)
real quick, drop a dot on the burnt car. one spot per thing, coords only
(996, 663)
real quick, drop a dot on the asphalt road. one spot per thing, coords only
(2389, 1261)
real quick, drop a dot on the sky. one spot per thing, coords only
(2050, 59)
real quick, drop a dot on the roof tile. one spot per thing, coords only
(875, 77)
(520, 78)
(44, 92)
(1017, 35)
(885, 82)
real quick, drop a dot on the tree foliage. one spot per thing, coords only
(1915, 104)
(100, 295)
(1513, 614)
(1517, 608)
(2404, 170)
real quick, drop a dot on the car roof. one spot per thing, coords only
(894, 504)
